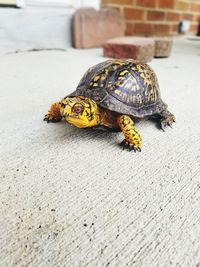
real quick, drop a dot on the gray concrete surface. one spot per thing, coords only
(71, 197)
(35, 28)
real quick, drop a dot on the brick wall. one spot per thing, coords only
(156, 17)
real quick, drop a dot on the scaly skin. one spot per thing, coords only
(53, 114)
(79, 111)
(132, 139)
(84, 112)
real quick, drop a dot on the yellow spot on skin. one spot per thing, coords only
(123, 72)
(96, 78)
(117, 84)
(103, 78)
(121, 63)
(117, 92)
(132, 136)
(142, 75)
(95, 84)
(106, 71)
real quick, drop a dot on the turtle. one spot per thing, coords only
(113, 95)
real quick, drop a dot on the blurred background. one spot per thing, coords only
(48, 24)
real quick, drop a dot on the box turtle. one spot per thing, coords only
(112, 94)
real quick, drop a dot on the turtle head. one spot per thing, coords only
(80, 111)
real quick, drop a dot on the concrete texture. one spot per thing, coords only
(35, 28)
(71, 197)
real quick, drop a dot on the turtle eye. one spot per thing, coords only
(78, 109)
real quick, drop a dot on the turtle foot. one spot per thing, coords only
(129, 146)
(167, 122)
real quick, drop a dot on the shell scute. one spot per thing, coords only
(123, 86)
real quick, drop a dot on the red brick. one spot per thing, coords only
(121, 2)
(197, 18)
(188, 17)
(144, 29)
(155, 15)
(141, 49)
(134, 13)
(194, 28)
(175, 28)
(129, 30)
(162, 29)
(195, 7)
(118, 8)
(182, 5)
(146, 3)
(163, 47)
(166, 3)
(173, 16)
(105, 2)
(91, 28)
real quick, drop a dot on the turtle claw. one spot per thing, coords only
(129, 146)
(48, 119)
(167, 122)
(163, 125)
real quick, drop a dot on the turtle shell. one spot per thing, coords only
(124, 86)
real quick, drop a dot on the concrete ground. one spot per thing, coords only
(71, 197)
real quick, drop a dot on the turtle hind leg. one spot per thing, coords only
(53, 114)
(132, 139)
(166, 119)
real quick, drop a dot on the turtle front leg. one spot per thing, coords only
(132, 139)
(167, 119)
(53, 114)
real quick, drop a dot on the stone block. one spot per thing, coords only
(91, 28)
(163, 47)
(138, 48)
